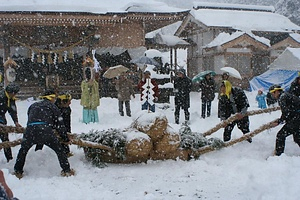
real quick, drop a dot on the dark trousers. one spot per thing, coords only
(285, 131)
(206, 104)
(177, 112)
(127, 108)
(148, 106)
(40, 134)
(7, 151)
(242, 124)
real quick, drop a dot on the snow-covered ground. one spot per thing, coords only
(242, 171)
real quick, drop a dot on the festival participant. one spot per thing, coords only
(43, 118)
(90, 98)
(290, 116)
(8, 104)
(63, 102)
(233, 100)
(149, 92)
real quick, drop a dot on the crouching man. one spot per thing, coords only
(43, 118)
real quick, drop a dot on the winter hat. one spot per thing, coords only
(274, 88)
(182, 71)
(12, 88)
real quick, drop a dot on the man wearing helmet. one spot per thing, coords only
(290, 109)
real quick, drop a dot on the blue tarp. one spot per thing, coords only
(284, 78)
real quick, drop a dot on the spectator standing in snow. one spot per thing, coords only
(149, 92)
(90, 98)
(225, 76)
(233, 100)
(290, 109)
(182, 89)
(261, 99)
(295, 87)
(8, 104)
(125, 90)
(208, 87)
(43, 118)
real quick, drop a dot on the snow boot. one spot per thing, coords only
(19, 175)
(68, 173)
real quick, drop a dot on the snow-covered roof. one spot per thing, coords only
(224, 38)
(295, 36)
(198, 5)
(288, 60)
(90, 6)
(244, 20)
(166, 30)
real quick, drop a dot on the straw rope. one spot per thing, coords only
(224, 123)
(207, 149)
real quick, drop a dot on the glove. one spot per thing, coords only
(65, 137)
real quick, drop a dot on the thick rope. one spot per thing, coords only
(231, 119)
(207, 149)
(75, 141)
(10, 144)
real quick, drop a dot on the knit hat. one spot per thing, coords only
(12, 88)
(182, 71)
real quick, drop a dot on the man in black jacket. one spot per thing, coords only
(290, 109)
(43, 117)
(233, 100)
(8, 104)
(182, 89)
(63, 102)
(208, 87)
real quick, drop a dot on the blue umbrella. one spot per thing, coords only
(201, 75)
(144, 60)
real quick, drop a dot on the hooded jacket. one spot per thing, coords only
(233, 101)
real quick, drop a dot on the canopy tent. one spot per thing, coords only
(282, 71)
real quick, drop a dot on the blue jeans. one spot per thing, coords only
(147, 106)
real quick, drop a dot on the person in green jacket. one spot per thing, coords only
(90, 98)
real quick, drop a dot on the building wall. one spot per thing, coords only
(127, 35)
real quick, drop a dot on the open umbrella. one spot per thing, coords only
(115, 71)
(151, 53)
(232, 72)
(201, 75)
(144, 60)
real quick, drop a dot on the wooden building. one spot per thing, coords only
(258, 27)
(53, 45)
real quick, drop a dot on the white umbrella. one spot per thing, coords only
(115, 71)
(232, 72)
(151, 53)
